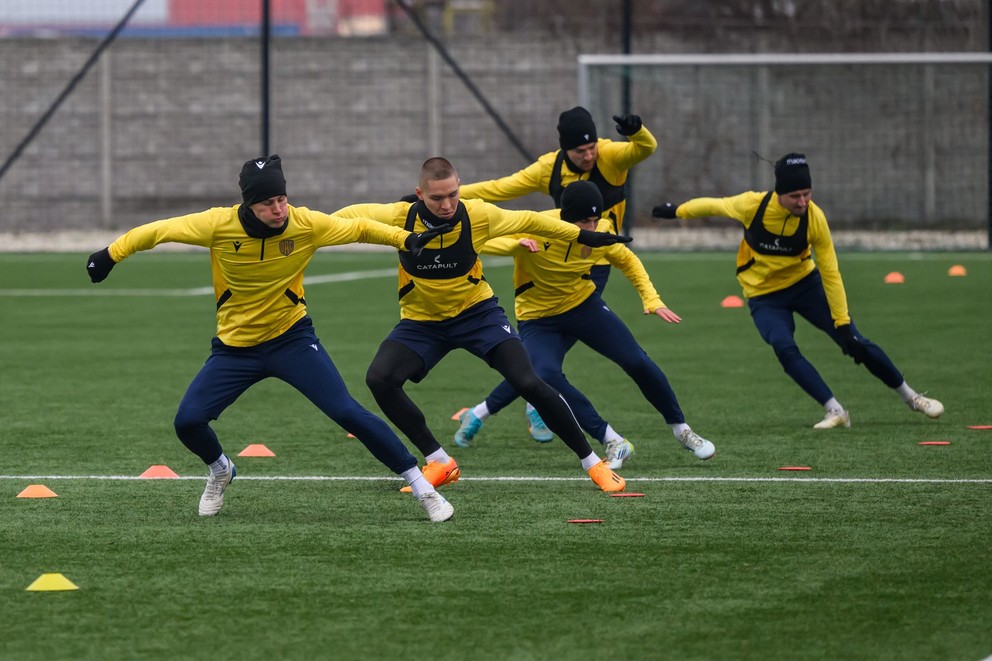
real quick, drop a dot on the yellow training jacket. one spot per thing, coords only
(771, 273)
(556, 279)
(258, 283)
(613, 162)
(441, 299)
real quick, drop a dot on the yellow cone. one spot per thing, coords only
(51, 582)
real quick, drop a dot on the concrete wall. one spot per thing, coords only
(160, 127)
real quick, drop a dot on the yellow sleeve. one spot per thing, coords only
(504, 222)
(615, 158)
(390, 214)
(739, 207)
(624, 259)
(826, 261)
(195, 229)
(534, 178)
(335, 230)
(504, 245)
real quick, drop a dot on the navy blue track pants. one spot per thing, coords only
(773, 316)
(298, 358)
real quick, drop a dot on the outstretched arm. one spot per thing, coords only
(195, 229)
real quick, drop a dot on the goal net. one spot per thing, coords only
(894, 141)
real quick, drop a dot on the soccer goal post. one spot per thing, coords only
(895, 141)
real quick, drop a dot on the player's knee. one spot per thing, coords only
(189, 420)
(787, 354)
(378, 379)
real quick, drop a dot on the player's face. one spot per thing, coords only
(272, 212)
(584, 156)
(440, 196)
(588, 223)
(795, 202)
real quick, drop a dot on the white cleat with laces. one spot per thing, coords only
(617, 452)
(213, 494)
(696, 444)
(927, 406)
(437, 507)
(834, 418)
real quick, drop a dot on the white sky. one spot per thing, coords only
(79, 11)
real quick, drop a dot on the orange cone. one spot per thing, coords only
(895, 278)
(256, 450)
(957, 270)
(732, 302)
(458, 416)
(37, 491)
(159, 472)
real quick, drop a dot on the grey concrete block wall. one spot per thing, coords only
(161, 126)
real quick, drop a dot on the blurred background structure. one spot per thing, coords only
(118, 112)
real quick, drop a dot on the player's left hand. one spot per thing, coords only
(529, 244)
(667, 315)
(627, 124)
(851, 345)
(600, 239)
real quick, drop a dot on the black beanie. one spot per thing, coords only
(580, 201)
(261, 178)
(575, 128)
(792, 173)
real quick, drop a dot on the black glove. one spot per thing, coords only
(98, 265)
(666, 210)
(412, 197)
(627, 124)
(850, 345)
(416, 242)
(600, 239)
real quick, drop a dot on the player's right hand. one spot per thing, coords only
(666, 210)
(600, 239)
(98, 265)
(415, 242)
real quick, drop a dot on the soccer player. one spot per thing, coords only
(446, 304)
(556, 304)
(258, 252)
(582, 156)
(784, 231)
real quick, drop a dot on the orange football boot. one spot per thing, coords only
(439, 474)
(606, 479)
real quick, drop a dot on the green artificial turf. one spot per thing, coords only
(879, 551)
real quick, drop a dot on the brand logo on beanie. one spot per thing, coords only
(792, 173)
(261, 179)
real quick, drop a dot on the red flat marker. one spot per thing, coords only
(979, 426)
(626, 495)
(934, 443)
(585, 520)
(795, 468)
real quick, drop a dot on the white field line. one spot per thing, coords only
(356, 478)
(348, 276)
